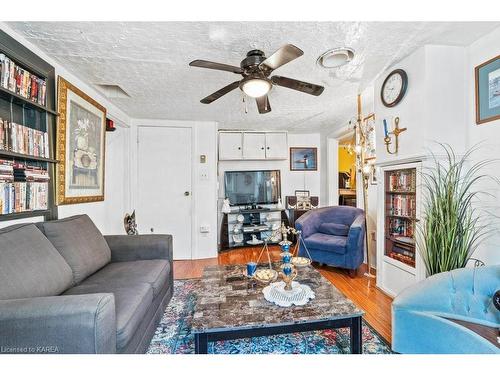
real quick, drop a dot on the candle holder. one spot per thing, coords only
(396, 132)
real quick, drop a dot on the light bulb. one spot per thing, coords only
(256, 87)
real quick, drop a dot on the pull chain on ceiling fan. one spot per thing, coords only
(256, 69)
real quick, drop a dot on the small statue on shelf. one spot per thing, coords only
(130, 224)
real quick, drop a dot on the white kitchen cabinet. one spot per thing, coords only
(230, 146)
(276, 145)
(254, 146)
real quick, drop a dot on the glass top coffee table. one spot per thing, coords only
(232, 306)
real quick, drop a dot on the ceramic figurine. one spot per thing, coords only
(130, 224)
(226, 207)
(279, 205)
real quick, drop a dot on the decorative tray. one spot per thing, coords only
(298, 296)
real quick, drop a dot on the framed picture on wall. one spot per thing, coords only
(488, 91)
(81, 133)
(303, 159)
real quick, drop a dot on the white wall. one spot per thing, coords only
(204, 191)
(433, 108)
(482, 50)
(108, 215)
(290, 180)
(439, 107)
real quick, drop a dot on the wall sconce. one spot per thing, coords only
(396, 132)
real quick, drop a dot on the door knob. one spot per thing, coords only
(186, 193)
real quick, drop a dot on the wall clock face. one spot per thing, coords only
(394, 88)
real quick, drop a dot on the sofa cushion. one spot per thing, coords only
(334, 229)
(30, 266)
(155, 272)
(80, 243)
(131, 303)
(326, 242)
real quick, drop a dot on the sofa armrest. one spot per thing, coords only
(141, 247)
(308, 223)
(356, 235)
(59, 324)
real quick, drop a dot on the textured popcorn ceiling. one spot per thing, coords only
(150, 62)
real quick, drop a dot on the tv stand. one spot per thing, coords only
(259, 222)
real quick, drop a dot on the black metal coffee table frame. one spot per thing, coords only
(354, 323)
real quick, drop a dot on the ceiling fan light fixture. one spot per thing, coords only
(335, 58)
(256, 87)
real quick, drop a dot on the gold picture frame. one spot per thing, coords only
(80, 146)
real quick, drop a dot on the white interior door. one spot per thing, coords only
(164, 185)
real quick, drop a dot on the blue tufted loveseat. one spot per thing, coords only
(334, 235)
(421, 314)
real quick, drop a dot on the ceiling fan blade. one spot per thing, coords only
(263, 104)
(216, 66)
(282, 56)
(223, 91)
(294, 84)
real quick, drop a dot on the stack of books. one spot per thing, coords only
(20, 81)
(23, 140)
(22, 187)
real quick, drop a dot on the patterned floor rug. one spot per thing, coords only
(173, 335)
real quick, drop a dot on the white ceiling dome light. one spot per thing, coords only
(335, 58)
(256, 87)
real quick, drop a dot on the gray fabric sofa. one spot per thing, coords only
(66, 288)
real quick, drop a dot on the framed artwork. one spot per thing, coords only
(488, 91)
(303, 159)
(81, 131)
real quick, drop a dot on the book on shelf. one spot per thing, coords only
(22, 187)
(23, 139)
(401, 181)
(22, 82)
(402, 205)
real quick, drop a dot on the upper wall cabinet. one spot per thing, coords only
(253, 145)
(276, 146)
(230, 146)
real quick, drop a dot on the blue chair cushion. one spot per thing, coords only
(326, 242)
(334, 229)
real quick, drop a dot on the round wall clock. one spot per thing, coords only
(394, 87)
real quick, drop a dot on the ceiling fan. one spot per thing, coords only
(256, 69)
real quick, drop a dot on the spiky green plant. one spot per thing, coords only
(454, 224)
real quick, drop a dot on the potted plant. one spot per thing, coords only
(454, 224)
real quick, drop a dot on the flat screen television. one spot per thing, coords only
(252, 187)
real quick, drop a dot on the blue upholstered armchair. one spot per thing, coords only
(439, 314)
(334, 235)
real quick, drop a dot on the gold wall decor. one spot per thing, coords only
(80, 146)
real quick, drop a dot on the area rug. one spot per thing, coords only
(173, 335)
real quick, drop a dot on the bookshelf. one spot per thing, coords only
(399, 200)
(400, 215)
(31, 149)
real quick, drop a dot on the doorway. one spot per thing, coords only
(164, 201)
(347, 171)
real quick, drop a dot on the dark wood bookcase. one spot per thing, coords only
(15, 108)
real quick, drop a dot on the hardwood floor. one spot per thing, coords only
(360, 289)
